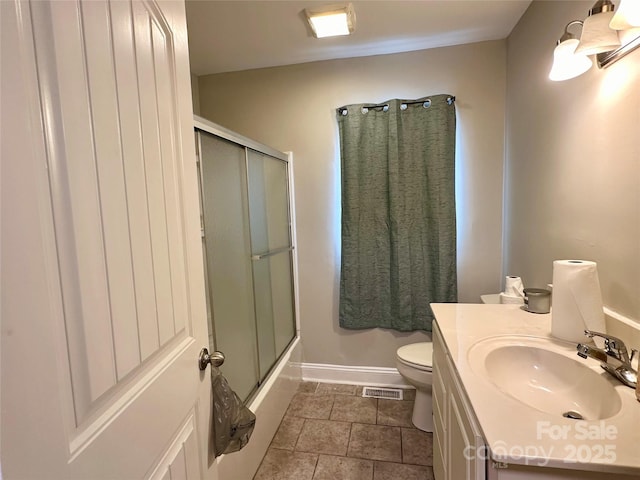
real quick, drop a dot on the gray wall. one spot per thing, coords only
(293, 109)
(573, 161)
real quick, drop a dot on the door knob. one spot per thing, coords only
(215, 359)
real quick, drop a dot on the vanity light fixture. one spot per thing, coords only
(597, 36)
(566, 62)
(606, 35)
(331, 20)
(627, 16)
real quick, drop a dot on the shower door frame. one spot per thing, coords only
(204, 125)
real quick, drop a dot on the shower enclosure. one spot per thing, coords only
(248, 249)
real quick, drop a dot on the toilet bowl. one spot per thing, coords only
(413, 361)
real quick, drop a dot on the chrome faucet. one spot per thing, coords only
(614, 358)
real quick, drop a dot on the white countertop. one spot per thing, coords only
(526, 436)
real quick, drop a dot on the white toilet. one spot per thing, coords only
(414, 362)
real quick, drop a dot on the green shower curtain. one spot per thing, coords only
(398, 212)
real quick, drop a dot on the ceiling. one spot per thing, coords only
(226, 36)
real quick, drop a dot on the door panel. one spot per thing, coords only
(139, 155)
(270, 246)
(274, 307)
(155, 170)
(228, 246)
(268, 203)
(74, 176)
(90, 205)
(283, 302)
(178, 459)
(104, 156)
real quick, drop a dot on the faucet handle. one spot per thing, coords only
(634, 352)
(612, 345)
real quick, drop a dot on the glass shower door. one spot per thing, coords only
(227, 243)
(248, 256)
(271, 249)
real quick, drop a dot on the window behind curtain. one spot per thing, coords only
(398, 212)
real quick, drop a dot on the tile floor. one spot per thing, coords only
(330, 432)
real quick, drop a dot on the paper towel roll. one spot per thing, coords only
(513, 286)
(577, 300)
(511, 299)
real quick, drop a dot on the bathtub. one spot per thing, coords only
(269, 404)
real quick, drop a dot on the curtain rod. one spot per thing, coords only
(403, 106)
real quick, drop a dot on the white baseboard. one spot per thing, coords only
(353, 375)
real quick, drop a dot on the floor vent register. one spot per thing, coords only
(386, 393)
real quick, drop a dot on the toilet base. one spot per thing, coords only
(423, 411)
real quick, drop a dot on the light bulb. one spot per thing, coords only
(566, 63)
(627, 15)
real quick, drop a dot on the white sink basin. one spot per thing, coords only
(544, 375)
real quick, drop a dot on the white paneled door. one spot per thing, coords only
(103, 305)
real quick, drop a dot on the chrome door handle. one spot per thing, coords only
(215, 359)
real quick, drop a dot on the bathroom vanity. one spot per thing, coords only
(507, 398)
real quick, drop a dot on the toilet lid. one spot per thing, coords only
(419, 354)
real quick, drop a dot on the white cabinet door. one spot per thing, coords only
(103, 306)
(459, 451)
(465, 443)
(440, 400)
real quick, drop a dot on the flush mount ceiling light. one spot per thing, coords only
(566, 62)
(597, 36)
(331, 20)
